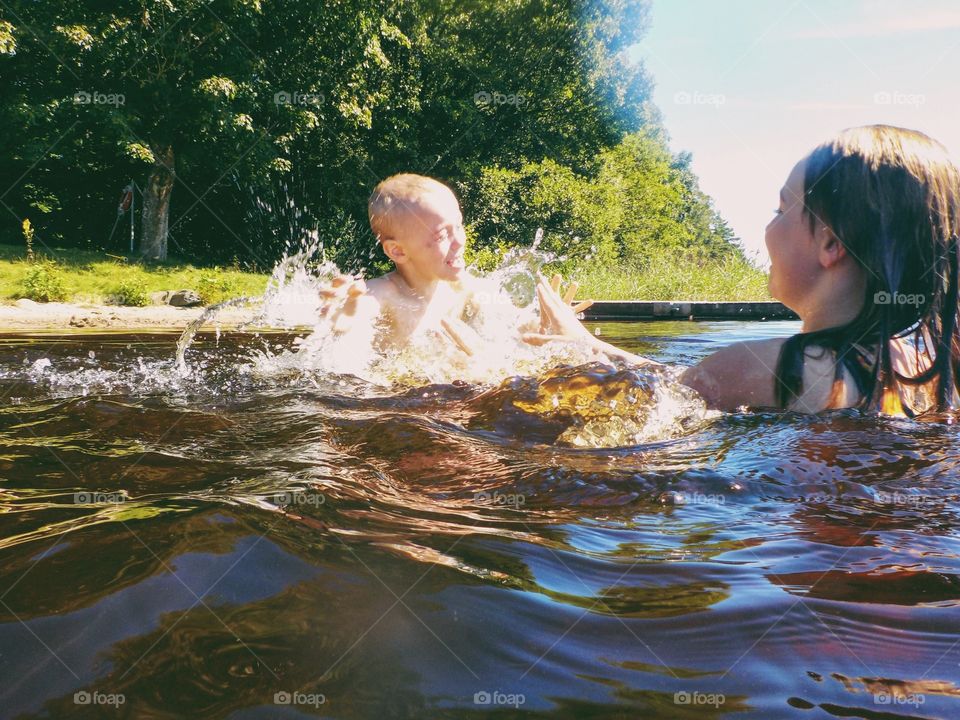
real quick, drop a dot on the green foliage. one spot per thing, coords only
(44, 282)
(532, 110)
(90, 277)
(634, 201)
(131, 292)
(215, 286)
(484, 257)
(664, 274)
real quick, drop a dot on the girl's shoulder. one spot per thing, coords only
(739, 375)
(744, 375)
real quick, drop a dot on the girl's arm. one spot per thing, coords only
(738, 375)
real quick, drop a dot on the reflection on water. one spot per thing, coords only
(225, 545)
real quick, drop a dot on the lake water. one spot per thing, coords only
(231, 547)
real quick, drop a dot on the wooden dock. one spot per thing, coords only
(687, 310)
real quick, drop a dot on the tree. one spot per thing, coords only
(157, 79)
(249, 123)
(637, 201)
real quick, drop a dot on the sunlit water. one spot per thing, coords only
(245, 540)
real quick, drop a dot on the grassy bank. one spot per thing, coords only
(666, 277)
(94, 277)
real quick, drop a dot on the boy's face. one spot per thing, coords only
(431, 238)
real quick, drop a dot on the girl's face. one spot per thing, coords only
(794, 253)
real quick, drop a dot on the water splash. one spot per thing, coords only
(520, 269)
(291, 299)
(593, 405)
(557, 384)
(186, 338)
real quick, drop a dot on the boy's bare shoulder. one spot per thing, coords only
(384, 291)
(380, 287)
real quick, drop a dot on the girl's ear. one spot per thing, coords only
(832, 251)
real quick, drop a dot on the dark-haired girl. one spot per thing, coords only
(863, 247)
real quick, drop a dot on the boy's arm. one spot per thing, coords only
(559, 322)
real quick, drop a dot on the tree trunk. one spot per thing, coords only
(155, 216)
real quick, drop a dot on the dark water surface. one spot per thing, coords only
(228, 546)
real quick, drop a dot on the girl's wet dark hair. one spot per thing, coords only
(892, 197)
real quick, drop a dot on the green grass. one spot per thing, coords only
(666, 277)
(95, 277)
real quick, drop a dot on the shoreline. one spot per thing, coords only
(26, 316)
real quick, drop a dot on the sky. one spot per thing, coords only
(750, 86)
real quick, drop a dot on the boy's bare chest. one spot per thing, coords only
(415, 316)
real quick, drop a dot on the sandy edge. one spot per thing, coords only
(25, 315)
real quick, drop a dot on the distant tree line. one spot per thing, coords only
(246, 123)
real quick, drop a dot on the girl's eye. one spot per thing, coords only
(777, 211)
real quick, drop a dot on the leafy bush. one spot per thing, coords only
(484, 257)
(632, 201)
(666, 274)
(215, 286)
(507, 206)
(44, 282)
(132, 293)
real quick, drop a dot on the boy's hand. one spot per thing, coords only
(339, 300)
(462, 335)
(570, 294)
(558, 321)
(342, 286)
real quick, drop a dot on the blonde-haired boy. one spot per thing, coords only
(418, 222)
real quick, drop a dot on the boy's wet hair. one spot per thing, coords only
(892, 197)
(395, 193)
